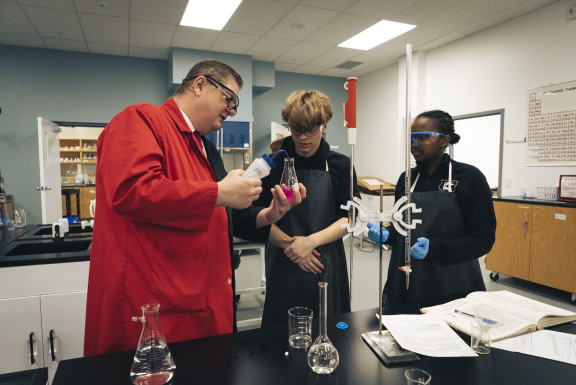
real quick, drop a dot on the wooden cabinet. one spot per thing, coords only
(87, 194)
(535, 242)
(78, 207)
(42, 313)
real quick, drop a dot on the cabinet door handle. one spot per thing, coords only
(32, 359)
(52, 345)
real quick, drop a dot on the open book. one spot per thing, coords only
(521, 314)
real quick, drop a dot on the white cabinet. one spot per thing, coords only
(20, 334)
(63, 317)
(45, 303)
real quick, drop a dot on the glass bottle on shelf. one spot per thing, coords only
(289, 178)
(153, 364)
(323, 357)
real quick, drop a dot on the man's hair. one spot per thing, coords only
(306, 110)
(213, 68)
(443, 122)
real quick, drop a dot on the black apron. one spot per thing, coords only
(432, 281)
(286, 284)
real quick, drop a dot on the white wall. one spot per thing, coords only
(376, 147)
(489, 70)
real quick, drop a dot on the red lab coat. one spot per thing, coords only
(157, 235)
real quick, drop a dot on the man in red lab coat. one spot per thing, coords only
(161, 230)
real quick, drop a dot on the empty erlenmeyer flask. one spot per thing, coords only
(323, 357)
(289, 178)
(153, 363)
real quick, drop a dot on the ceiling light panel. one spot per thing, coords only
(379, 33)
(213, 14)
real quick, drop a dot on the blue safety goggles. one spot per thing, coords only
(423, 136)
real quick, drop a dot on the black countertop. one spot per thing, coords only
(257, 357)
(34, 245)
(543, 202)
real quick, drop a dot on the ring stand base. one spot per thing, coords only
(387, 349)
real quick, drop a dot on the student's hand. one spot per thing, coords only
(420, 249)
(280, 205)
(237, 192)
(374, 234)
(299, 249)
(312, 264)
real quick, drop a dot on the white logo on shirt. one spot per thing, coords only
(445, 185)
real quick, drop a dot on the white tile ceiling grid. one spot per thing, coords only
(297, 35)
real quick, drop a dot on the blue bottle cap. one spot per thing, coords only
(269, 161)
(342, 325)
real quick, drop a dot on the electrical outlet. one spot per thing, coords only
(572, 11)
(508, 182)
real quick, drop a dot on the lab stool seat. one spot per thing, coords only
(68, 194)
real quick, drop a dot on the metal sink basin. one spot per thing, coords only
(49, 247)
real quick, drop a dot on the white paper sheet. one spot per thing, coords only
(426, 334)
(543, 343)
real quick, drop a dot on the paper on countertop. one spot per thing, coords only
(372, 182)
(426, 334)
(548, 344)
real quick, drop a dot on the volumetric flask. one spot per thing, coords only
(153, 363)
(289, 178)
(323, 357)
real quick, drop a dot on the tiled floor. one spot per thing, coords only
(365, 292)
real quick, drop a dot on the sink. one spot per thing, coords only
(73, 230)
(38, 232)
(49, 247)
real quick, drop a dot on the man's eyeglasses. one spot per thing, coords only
(312, 132)
(231, 98)
(424, 137)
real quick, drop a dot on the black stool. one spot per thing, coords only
(68, 192)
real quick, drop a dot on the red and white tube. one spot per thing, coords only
(350, 110)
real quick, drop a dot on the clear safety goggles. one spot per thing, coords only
(312, 132)
(424, 137)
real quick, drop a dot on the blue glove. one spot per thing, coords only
(420, 249)
(374, 233)
(5, 219)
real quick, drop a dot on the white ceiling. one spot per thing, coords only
(297, 35)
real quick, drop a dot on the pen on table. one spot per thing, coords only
(464, 313)
(485, 320)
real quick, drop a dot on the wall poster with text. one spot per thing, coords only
(551, 136)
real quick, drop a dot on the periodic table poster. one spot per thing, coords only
(551, 137)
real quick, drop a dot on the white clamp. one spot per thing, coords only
(395, 216)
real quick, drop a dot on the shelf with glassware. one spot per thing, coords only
(77, 160)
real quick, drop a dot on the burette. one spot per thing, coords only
(350, 124)
(358, 213)
(407, 268)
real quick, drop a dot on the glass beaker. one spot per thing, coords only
(289, 178)
(153, 364)
(323, 357)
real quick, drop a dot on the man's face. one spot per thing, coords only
(219, 98)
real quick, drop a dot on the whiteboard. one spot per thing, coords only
(479, 145)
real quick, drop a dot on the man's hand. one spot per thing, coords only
(237, 192)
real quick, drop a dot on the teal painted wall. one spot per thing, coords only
(92, 88)
(62, 86)
(268, 108)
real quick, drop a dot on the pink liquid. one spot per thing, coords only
(289, 193)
